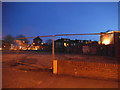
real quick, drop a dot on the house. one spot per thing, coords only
(71, 46)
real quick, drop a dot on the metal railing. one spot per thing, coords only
(53, 36)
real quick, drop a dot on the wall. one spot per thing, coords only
(87, 69)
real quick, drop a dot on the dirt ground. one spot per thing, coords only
(33, 71)
(30, 79)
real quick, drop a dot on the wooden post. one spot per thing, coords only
(53, 51)
(54, 62)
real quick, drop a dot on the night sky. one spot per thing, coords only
(50, 18)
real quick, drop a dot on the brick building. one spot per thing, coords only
(111, 39)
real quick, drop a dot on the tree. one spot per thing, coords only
(49, 41)
(9, 39)
(22, 38)
(37, 41)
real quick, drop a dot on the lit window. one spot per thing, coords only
(20, 47)
(106, 42)
(33, 43)
(65, 44)
(99, 42)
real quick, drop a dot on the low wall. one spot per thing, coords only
(86, 69)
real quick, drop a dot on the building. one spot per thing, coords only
(112, 37)
(37, 41)
(70, 46)
(112, 41)
(63, 42)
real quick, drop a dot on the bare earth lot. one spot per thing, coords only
(32, 70)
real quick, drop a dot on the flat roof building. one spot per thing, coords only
(112, 37)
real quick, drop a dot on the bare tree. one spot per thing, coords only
(49, 41)
(9, 39)
(22, 38)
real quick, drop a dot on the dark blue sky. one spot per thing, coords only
(49, 18)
